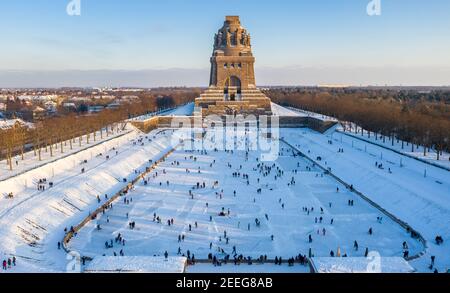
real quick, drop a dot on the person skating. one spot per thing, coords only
(433, 258)
(405, 245)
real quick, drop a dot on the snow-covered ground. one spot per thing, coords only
(398, 145)
(185, 110)
(141, 264)
(33, 222)
(32, 161)
(245, 268)
(278, 110)
(361, 265)
(166, 195)
(422, 202)
(431, 155)
(308, 114)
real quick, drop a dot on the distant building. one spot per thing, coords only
(33, 114)
(50, 106)
(113, 106)
(95, 109)
(8, 123)
(80, 99)
(69, 105)
(129, 98)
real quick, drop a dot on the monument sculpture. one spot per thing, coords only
(232, 88)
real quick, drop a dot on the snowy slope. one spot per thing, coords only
(423, 202)
(361, 265)
(32, 223)
(278, 110)
(141, 264)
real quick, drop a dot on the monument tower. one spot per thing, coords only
(232, 87)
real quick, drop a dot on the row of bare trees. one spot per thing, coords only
(59, 134)
(56, 134)
(425, 123)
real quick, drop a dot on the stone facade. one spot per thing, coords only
(232, 87)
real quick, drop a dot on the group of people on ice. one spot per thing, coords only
(8, 263)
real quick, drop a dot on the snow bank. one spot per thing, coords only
(136, 264)
(32, 161)
(361, 265)
(247, 269)
(33, 221)
(185, 110)
(278, 110)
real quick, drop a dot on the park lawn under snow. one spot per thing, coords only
(289, 225)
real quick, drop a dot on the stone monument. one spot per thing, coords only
(232, 87)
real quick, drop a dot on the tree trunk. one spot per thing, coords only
(10, 160)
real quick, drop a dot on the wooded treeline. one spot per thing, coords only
(59, 133)
(419, 118)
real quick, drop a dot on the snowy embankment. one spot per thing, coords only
(278, 110)
(31, 161)
(185, 110)
(398, 145)
(399, 186)
(33, 222)
(247, 269)
(136, 264)
(361, 265)
(310, 114)
(403, 147)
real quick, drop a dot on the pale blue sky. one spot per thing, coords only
(38, 35)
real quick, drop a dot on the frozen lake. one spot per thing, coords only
(311, 206)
